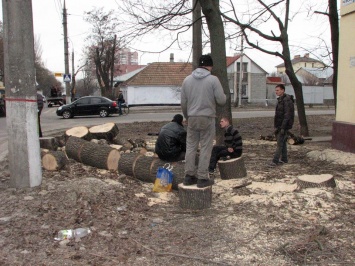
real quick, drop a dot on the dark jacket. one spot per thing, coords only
(232, 139)
(284, 112)
(171, 141)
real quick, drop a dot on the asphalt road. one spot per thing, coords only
(52, 123)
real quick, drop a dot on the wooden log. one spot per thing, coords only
(106, 131)
(100, 156)
(61, 140)
(54, 160)
(311, 181)
(232, 168)
(49, 143)
(142, 169)
(127, 163)
(194, 198)
(79, 132)
(296, 140)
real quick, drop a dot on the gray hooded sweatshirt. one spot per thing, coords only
(200, 93)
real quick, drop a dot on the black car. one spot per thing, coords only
(88, 105)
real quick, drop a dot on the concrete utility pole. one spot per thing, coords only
(66, 55)
(196, 33)
(21, 99)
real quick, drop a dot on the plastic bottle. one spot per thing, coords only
(73, 233)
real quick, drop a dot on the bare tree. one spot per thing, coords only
(102, 46)
(265, 13)
(1, 53)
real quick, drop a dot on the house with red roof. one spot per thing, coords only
(158, 83)
(253, 79)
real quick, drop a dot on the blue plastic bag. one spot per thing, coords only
(164, 179)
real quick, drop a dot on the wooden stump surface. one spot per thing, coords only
(232, 168)
(194, 198)
(312, 181)
(79, 132)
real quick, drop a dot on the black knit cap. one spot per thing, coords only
(178, 118)
(205, 60)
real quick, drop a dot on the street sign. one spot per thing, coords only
(58, 74)
(66, 77)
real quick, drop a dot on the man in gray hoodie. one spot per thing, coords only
(200, 93)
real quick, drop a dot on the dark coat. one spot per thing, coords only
(171, 141)
(284, 112)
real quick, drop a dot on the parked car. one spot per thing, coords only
(88, 105)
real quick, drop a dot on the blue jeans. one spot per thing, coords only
(281, 150)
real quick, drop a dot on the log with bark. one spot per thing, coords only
(296, 140)
(194, 198)
(106, 131)
(311, 181)
(232, 168)
(86, 152)
(127, 163)
(54, 160)
(79, 132)
(49, 143)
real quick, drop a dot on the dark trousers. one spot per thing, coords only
(281, 150)
(119, 107)
(39, 124)
(219, 152)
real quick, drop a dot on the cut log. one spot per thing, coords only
(268, 137)
(311, 181)
(127, 163)
(49, 143)
(296, 140)
(92, 154)
(232, 168)
(194, 198)
(79, 132)
(54, 160)
(60, 140)
(143, 169)
(106, 131)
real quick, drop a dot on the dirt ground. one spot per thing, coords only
(268, 222)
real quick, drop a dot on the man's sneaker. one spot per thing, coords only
(283, 161)
(190, 180)
(201, 183)
(211, 174)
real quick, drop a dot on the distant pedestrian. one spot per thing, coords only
(40, 104)
(232, 148)
(200, 93)
(283, 121)
(171, 142)
(120, 101)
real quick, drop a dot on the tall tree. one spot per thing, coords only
(1, 52)
(265, 12)
(102, 46)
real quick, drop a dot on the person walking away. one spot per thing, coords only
(40, 105)
(200, 93)
(171, 142)
(232, 148)
(283, 121)
(120, 101)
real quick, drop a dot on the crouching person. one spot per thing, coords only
(232, 148)
(171, 142)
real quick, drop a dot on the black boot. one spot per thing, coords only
(190, 180)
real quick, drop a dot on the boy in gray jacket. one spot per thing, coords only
(200, 93)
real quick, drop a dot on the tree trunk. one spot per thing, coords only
(194, 198)
(100, 156)
(311, 181)
(297, 86)
(54, 160)
(106, 131)
(210, 9)
(233, 168)
(334, 30)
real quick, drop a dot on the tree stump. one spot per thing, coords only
(194, 198)
(54, 160)
(311, 181)
(232, 168)
(79, 132)
(49, 143)
(100, 156)
(106, 131)
(127, 163)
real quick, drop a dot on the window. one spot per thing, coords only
(96, 100)
(83, 101)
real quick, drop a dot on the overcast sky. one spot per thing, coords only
(48, 27)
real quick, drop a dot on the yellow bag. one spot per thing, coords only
(164, 180)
